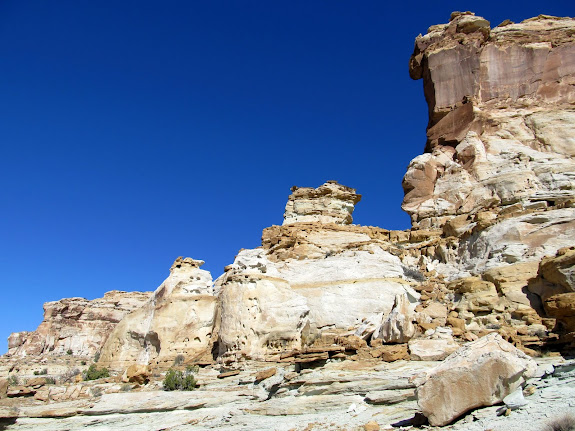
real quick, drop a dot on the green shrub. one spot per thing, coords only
(50, 381)
(83, 362)
(69, 352)
(176, 380)
(92, 373)
(41, 372)
(97, 357)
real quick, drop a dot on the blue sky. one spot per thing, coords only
(133, 132)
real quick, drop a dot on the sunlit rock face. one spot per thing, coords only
(178, 319)
(312, 280)
(76, 325)
(329, 203)
(501, 117)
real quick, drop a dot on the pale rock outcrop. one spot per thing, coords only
(329, 203)
(482, 373)
(501, 128)
(76, 325)
(260, 313)
(178, 319)
(314, 279)
(397, 326)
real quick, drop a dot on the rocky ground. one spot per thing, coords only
(340, 395)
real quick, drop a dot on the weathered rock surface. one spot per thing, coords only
(346, 316)
(501, 128)
(329, 203)
(178, 319)
(481, 373)
(76, 325)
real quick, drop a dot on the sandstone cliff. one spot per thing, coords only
(490, 252)
(76, 325)
(501, 118)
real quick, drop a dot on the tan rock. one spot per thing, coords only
(3, 388)
(391, 352)
(560, 269)
(265, 374)
(137, 373)
(480, 153)
(329, 203)
(76, 325)
(431, 349)
(371, 426)
(481, 373)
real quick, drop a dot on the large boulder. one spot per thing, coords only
(479, 374)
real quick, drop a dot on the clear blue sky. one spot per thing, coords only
(132, 132)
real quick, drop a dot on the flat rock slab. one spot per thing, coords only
(145, 402)
(303, 405)
(390, 396)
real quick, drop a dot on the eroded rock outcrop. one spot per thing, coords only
(501, 117)
(76, 325)
(313, 281)
(178, 319)
(329, 203)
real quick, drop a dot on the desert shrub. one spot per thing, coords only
(50, 381)
(413, 273)
(179, 360)
(126, 387)
(69, 352)
(97, 391)
(69, 375)
(564, 423)
(192, 369)
(176, 380)
(93, 373)
(41, 372)
(13, 380)
(97, 357)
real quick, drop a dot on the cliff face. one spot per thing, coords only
(501, 117)
(76, 325)
(492, 202)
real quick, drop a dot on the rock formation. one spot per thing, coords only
(329, 203)
(178, 319)
(75, 325)
(488, 264)
(480, 374)
(311, 280)
(501, 119)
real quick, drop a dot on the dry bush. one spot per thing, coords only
(564, 423)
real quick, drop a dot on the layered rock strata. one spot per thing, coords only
(76, 326)
(501, 117)
(313, 281)
(329, 203)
